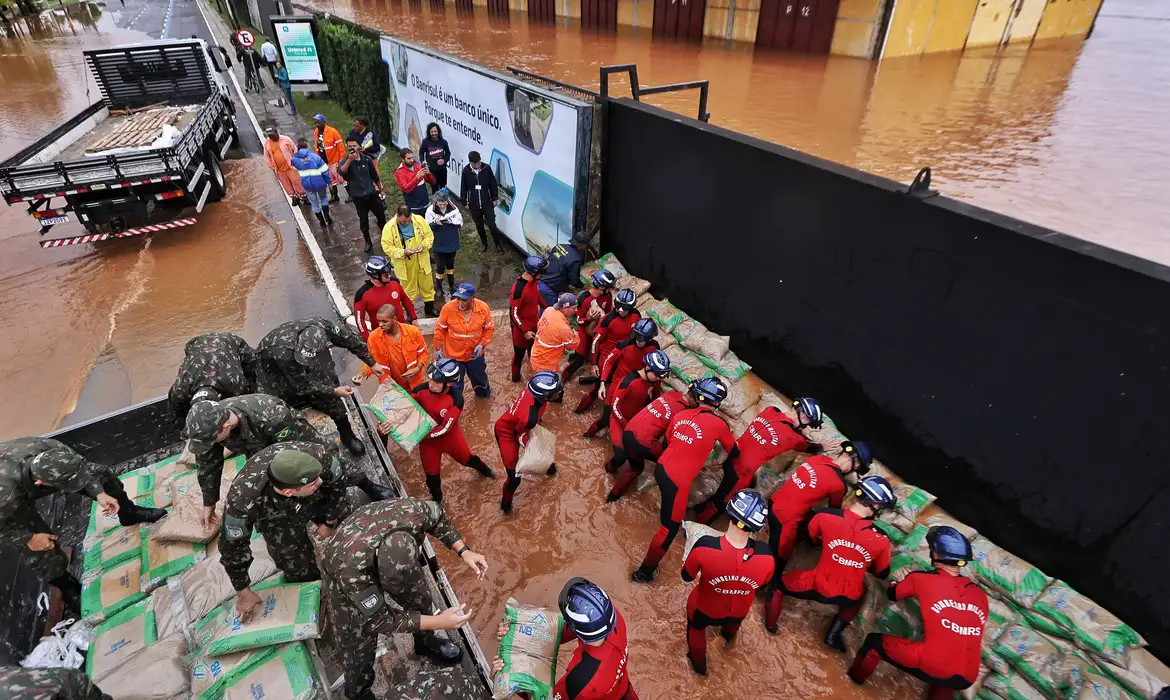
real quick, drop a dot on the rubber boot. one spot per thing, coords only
(435, 486)
(429, 309)
(321, 218)
(70, 589)
(644, 574)
(325, 213)
(351, 441)
(130, 513)
(451, 282)
(833, 638)
(480, 466)
(375, 491)
(437, 648)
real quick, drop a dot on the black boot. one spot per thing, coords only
(833, 638)
(480, 466)
(70, 589)
(437, 648)
(131, 514)
(321, 218)
(644, 574)
(375, 491)
(350, 440)
(325, 212)
(435, 486)
(429, 309)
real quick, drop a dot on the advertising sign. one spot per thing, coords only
(529, 138)
(298, 49)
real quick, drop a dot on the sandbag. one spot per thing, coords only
(1048, 669)
(529, 651)
(288, 612)
(698, 338)
(741, 396)
(110, 591)
(539, 452)
(692, 531)
(729, 366)
(410, 423)
(117, 547)
(1091, 626)
(1005, 573)
(119, 638)
(209, 674)
(636, 284)
(686, 365)
(162, 559)
(665, 314)
(139, 482)
(610, 262)
(156, 672)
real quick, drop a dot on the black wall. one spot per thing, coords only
(1019, 374)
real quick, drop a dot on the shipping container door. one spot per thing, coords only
(802, 32)
(824, 22)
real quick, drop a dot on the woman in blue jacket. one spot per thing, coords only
(446, 221)
(315, 178)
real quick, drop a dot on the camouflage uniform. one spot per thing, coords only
(264, 420)
(54, 463)
(222, 361)
(282, 520)
(282, 375)
(435, 683)
(375, 551)
(47, 684)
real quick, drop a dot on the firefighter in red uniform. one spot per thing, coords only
(630, 396)
(615, 327)
(513, 427)
(381, 289)
(524, 308)
(437, 399)
(954, 612)
(730, 570)
(600, 664)
(817, 479)
(692, 435)
(626, 357)
(850, 546)
(643, 437)
(771, 433)
(592, 306)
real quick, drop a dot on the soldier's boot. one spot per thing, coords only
(480, 466)
(375, 491)
(833, 637)
(437, 648)
(70, 589)
(435, 486)
(131, 514)
(351, 441)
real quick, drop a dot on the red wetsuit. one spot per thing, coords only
(525, 305)
(770, 434)
(511, 433)
(585, 303)
(809, 485)
(954, 612)
(597, 672)
(728, 581)
(692, 435)
(369, 298)
(642, 438)
(445, 439)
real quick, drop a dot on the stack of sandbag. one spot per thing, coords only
(409, 422)
(529, 651)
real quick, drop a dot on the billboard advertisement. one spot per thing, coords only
(298, 49)
(528, 136)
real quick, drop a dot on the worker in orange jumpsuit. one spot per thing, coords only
(398, 346)
(331, 147)
(437, 399)
(553, 336)
(278, 153)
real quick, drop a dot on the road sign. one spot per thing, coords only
(245, 38)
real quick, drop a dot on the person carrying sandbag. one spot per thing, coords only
(625, 357)
(613, 328)
(954, 610)
(592, 306)
(633, 393)
(512, 428)
(772, 433)
(643, 438)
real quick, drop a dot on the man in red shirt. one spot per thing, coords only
(689, 441)
(445, 407)
(615, 327)
(381, 289)
(525, 305)
(771, 433)
(626, 357)
(513, 427)
(642, 438)
(730, 570)
(592, 306)
(850, 546)
(954, 612)
(631, 395)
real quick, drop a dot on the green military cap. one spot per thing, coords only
(60, 467)
(310, 343)
(203, 423)
(294, 468)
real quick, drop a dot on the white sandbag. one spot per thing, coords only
(539, 452)
(156, 672)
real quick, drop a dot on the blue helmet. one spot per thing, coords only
(811, 410)
(875, 491)
(602, 279)
(444, 370)
(657, 362)
(587, 610)
(861, 455)
(644, 329)
(545, 385)
(709, 390)
(748, 510)
(535, 265)
(625, 299)
(948, 545)
(377, 265)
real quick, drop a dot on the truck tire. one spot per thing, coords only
(215, 174)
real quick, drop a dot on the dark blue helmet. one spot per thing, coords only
(602, 279)
(948, 545)
(587, 610)
(644, 329)
(749, 510)
(861, 455)
(876, 491)
(657, 362)
(535, 265)
(811, 410)
(545, 385)
(444, 370)
(625, 299)
(709, 390)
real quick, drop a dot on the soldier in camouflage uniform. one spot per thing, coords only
(376, 552)
(296, 366)
(33, 468)
(215, 366)
(281, 490)
(435, 683)
(47, 684)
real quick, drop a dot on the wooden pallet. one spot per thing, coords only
(138, 130)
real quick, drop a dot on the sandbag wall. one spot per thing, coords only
(1042, 641)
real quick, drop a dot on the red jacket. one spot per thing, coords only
(812, 482)
(692, 435)
(770, 434)
(525, 305)
(954, 612)
(597, 673)
(850, 546)
(369, 298)
(630, 396)
(728, 577)
(522, 416)
(650, 424)
(612, 330)
(625, 357)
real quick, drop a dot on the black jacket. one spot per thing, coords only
(482, 198)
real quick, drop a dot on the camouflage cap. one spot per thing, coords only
(293, 467)
(60, 467)
(310, 343)
(203, 423)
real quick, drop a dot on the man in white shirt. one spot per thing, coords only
(268, 50)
